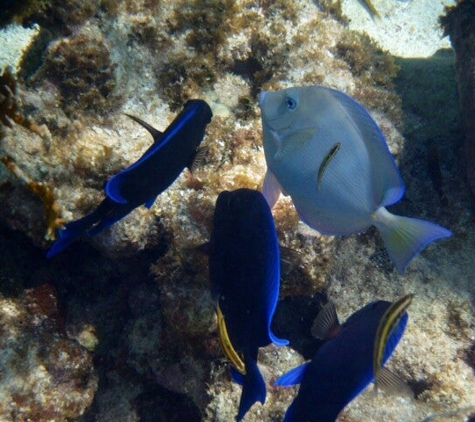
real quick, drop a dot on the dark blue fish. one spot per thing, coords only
(342, 367)
(144, 180)
(244, 266)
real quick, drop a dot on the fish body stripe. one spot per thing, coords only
(226, 344)
(326, 161)
(388, 323)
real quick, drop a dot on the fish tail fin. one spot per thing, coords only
(73, 231)
(253, 388)
(406, 237)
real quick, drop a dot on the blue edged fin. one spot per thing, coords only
(253, 388)
(73, 231)
(289, 415)
(237, 377)
(113, 185)
(278, 341)
(149, 204)
(113, 189)
(293, 377)
(406, 237)
(271, 188)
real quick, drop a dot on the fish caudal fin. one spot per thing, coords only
(73, 231)
(406, 237)
(253, 388)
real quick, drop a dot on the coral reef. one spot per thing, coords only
(85, 81)
(58, 378)
(54, 221)
(146, 295)
(10, 108)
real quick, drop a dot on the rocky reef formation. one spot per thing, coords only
(45, 375)
(146, 293)
(459, 24)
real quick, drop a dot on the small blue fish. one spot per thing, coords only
(144, 180)
(244, 267)
(324, 150)
(342, 367)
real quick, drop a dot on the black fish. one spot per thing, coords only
(144, 180)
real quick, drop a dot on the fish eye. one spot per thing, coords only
(290, 103)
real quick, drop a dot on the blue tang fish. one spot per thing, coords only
(143, 181)
(324, 150)
(244, 267)
(342, 367)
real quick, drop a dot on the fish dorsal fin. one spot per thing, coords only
(293, 377)
(226, 344)
(326, 325)
(156, 134)
(392, 383)
(198, 158)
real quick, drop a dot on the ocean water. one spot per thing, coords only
(122, 326)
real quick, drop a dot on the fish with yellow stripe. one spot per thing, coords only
(344, 365)
(244, 267)
(388, 323)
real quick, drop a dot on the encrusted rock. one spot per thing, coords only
(58, 378)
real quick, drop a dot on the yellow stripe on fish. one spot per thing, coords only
(328, 158)
(226, 344)
(389, 321)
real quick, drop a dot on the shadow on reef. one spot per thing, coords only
(430, 160)
(294, 319)
(91, 289)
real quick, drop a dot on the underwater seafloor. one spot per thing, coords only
(121, 327)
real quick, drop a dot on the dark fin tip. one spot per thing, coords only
(156, 134)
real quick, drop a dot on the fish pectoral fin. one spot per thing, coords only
(156, 134)
(392, 383)
(228, 348)
(198, 159)
(326, 325)
(293, 377)
(271, 188)
(289, 259)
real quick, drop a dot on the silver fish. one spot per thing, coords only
(301, 125)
